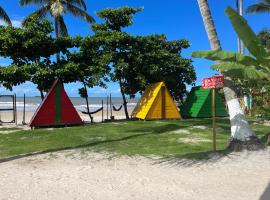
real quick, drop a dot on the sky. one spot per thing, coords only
(177, 19)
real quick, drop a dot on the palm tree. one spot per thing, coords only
(209, 25)
(4, 16)
(262, 6)
(239, 9)
(241, 133)
(56, 9)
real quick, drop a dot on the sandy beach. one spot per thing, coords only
(76, 175)
(8, 116)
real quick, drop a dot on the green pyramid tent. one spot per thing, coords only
(199, 104)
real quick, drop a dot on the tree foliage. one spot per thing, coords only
(30, 50)
(152, 59)
(109, 54)
(57, 9)
(140, 60)
(263, 6)
(30, 44)
(4, 16)
(89, 64)
(235, 65)
(264, 37)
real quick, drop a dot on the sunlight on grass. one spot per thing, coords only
(185, 138)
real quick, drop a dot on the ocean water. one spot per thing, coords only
(32, 103)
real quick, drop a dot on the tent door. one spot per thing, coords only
(163, 102)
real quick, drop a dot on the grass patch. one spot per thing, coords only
(159, 138)
(9, 128)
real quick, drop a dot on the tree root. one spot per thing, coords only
(251, 144)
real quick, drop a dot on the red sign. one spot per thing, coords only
(213, 82)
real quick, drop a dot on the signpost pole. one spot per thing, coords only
(214, 118)
(213, 83)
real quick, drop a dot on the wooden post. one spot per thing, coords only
(15, 111)
(23, 122)
(107, 107)
(111, 105)
(13, 103)
(102, 110)
(214, 118)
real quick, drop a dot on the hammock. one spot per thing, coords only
(117, 109)
(91, 113)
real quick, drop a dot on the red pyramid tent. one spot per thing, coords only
(56, 109)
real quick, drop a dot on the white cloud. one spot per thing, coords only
(2, 23)
(27, 88)
(99, 91)
(16, 23)
(117, 91)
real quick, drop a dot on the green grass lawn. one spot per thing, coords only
(158, 138)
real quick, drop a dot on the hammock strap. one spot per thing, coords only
(117, 109)
(94, 112)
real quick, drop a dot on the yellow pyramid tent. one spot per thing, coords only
(156, 103)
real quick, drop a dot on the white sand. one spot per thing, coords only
(194, 140)
(182, 131)
(200, 127)
(8, 116)
(71, 175)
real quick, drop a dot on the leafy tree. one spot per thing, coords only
(4, 16)
(152, 59)
(255, 66)
(30, 49)
(237, 65)
(240, 129)
(264, 37)
(24, 45)
(13, 75)
(89, 66)
(116, 41)
(263, 6)
(256, 87)
(57, 9)
(138, 61)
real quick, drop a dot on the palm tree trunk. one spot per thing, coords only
(209, 24)
(242, 47)
(238, 40)
(124, 100)
(241, 134)
(56, 27)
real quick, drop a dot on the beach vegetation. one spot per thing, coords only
(4, 16)
(30, 50)
(137, 61)
(89, 65)
(262, 6)
(190, 138)
(56, 10)
(236, 65)
(249, 71)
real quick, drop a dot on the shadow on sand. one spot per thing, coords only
(266, 194)
(194, 159)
